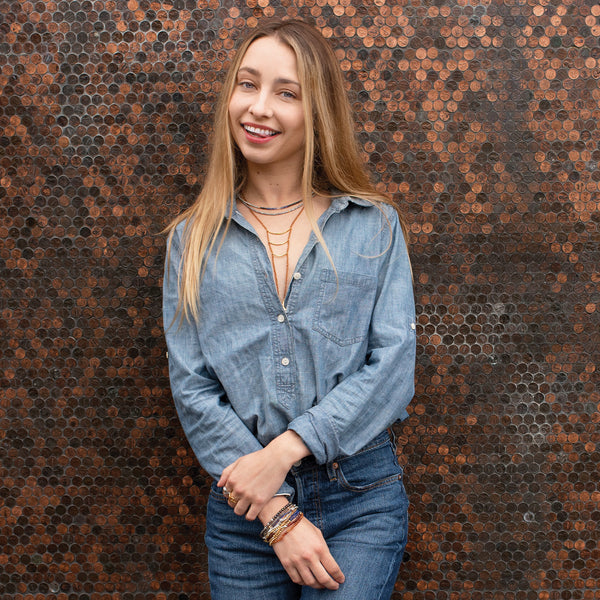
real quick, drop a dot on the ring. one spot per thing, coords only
(231, 498)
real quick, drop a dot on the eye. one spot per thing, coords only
(246, 85)
(288, 94)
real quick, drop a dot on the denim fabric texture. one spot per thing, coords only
(360, 505)
(336, 365)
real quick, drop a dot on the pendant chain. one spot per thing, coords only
(281, 242)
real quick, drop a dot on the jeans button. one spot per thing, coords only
(335, 465)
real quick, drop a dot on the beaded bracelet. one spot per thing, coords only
(288, 509)
(286, 530)
(274, 531)
(275, 517)
(275, 524)
(281, 523)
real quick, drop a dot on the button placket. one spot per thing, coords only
(283, 350)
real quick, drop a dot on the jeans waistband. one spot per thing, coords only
(309, 462)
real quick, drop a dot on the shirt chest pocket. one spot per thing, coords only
(344, 306)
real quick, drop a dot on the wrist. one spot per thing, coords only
(281, 524)
(289, 448)
(271, 508)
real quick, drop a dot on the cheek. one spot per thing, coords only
(234, 107)
(299, 123)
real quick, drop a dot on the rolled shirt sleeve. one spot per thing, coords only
(376, 395)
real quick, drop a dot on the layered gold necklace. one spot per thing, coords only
(278, 242)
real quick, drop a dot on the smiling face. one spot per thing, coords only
(265, 110)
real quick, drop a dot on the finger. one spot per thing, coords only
(253, 511)
(294, 575)
(226, 474)
(232, 497)
(224, 477)
(308, 578)
(240, 507)
(332, 568)
(323, 578)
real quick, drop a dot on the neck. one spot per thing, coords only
(270, 189)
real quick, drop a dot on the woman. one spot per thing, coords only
(289, 320)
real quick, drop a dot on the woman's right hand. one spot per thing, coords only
(305, 556)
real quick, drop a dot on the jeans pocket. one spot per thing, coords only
(368, 469)
(344, 306)
(217, 494)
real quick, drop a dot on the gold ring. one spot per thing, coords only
(231, 498)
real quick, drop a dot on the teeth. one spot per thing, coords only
(259, 131)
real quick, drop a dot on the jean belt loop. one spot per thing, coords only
(392, 434)
(332, 468)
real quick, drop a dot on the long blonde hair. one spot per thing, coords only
(331, 158)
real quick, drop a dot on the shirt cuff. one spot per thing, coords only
(286, 490)
(319, 435)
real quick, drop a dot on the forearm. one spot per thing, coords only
(289, 448)
(256, 477)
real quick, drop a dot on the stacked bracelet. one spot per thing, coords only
(281, 523)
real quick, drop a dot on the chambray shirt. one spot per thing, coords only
(336, 365)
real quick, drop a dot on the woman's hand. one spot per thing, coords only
(254, 479)
(305, 556)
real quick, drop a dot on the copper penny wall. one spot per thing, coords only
(480, 118)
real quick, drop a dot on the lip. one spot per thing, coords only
(258, 139)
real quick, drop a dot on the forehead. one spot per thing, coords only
(269, 55)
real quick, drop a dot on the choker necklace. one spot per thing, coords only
(279, 240)
(271, 210)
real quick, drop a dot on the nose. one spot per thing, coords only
(261, 106)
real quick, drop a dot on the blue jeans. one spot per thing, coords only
(360, 505)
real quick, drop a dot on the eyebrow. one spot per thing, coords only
(280, 80)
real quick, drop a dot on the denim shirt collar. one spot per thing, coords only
(339, 203)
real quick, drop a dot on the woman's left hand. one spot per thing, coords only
(254, 479)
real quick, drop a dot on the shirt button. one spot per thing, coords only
(297, 276)
(285, 361)
(280, 318)
(413, 326)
